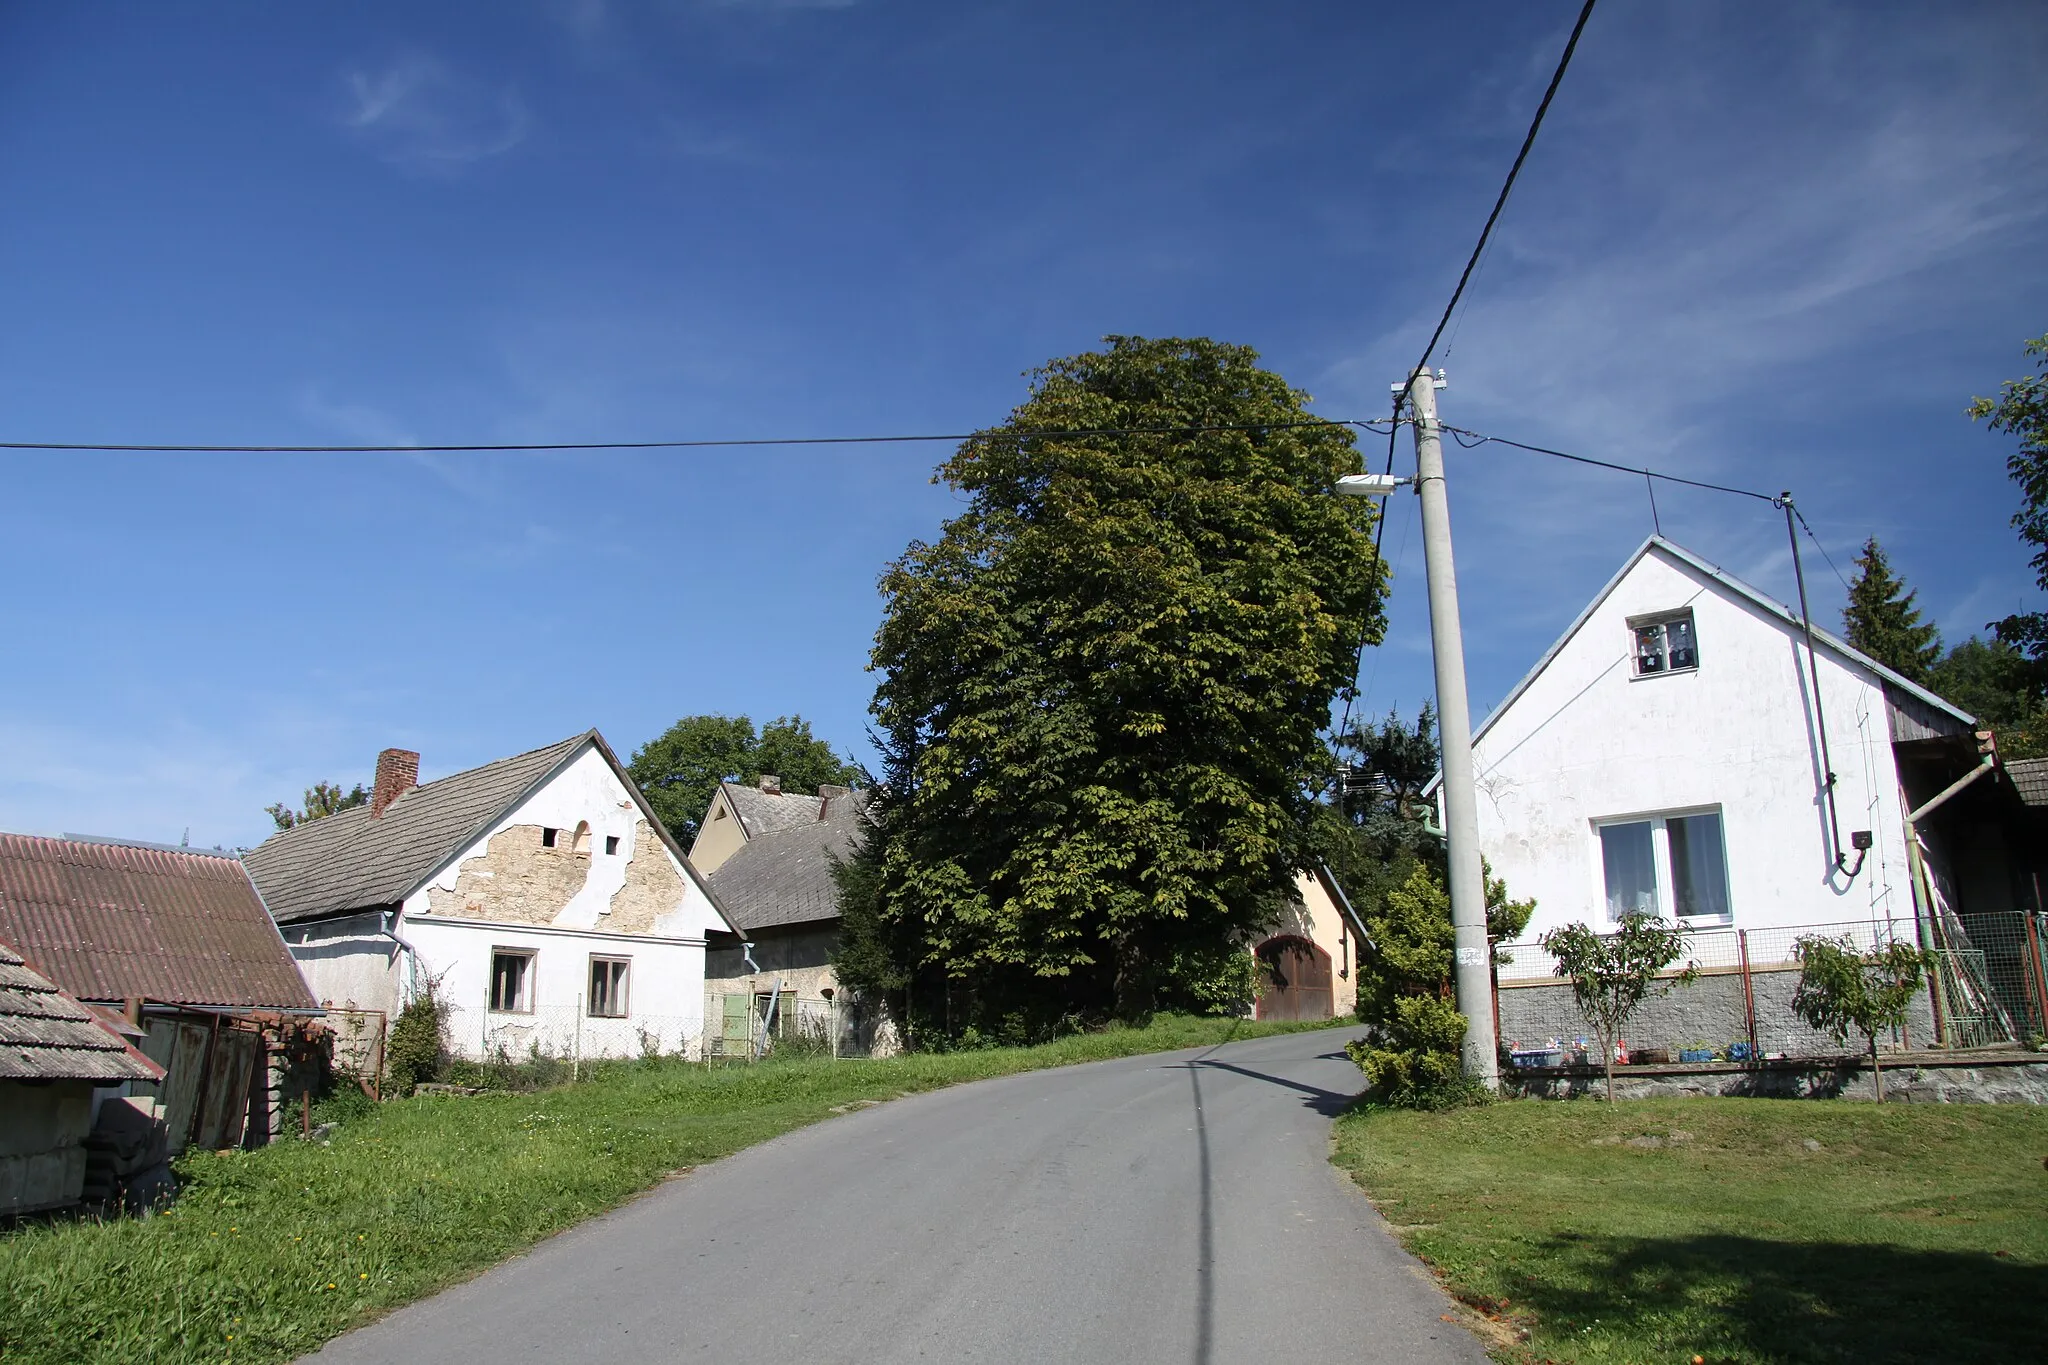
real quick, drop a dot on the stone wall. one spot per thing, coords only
(1919, 1080)
(652, 889)
(1710, 1010)
(515, 880)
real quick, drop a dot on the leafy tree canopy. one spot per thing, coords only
(1882, 621)
(2002, 688)
(2021, 409)
(322, 799)
(681, 767)
(1612, 974)
(1103, 685)
(1842, 989)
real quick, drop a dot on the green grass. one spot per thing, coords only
(269, 1253)
(1911, 1233)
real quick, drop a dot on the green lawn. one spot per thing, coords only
(269, 1253)
(1751, 1231)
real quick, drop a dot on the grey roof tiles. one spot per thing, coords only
(352, 861)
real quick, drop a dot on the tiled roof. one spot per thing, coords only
(762, 814)
(45, 1035)
(2030, 775)
(351, 861)
(109, 921)
(785, 877)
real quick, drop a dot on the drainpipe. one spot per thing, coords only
(384, 929)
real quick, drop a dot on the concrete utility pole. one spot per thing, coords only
(1474, 975)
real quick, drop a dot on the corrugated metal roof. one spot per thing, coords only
(2030, 776)
(45, 1035)
(353, 861)
(107, 922)
(785, 877)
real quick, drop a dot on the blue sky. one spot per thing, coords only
(1778, 246)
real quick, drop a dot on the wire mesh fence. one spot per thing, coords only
(569, 1033)
(1987, 988)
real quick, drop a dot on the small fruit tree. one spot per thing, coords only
(1842, 989)
(1612, 974)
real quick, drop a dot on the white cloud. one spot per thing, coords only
(419, 113)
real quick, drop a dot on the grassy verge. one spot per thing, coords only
(269, 1253)
(1728, 1230)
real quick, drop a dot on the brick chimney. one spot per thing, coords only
(827, 794)
(771, 785)
(398, 772)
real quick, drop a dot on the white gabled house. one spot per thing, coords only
(1666, 755)
(540, 891)
(1671, 754)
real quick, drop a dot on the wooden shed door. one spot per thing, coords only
(1297, 982)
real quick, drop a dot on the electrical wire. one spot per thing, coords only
(1501, 201)
(1822, 548)
(1459, 434)
(1372, 424)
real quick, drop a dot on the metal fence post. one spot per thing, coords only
(2040, 970)
(576, 1054)
(1748, 995)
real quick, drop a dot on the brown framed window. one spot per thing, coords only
(512, 980)
(610, 987)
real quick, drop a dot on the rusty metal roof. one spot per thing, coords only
(110, 921)
(45, 1035)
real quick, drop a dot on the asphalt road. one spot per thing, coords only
(1175, 1208)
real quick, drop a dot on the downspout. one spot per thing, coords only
(384, 929)
(1820, 720)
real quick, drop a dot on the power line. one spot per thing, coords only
(1501, 202)
(513, 447)
(1459, 434)
(1822, 548)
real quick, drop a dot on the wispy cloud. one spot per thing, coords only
(417, 112)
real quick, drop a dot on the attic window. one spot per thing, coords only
(1665, 644)
(718, 814)
(580, 845)
(547, 836)
(611, 845)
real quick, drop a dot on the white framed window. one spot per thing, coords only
(512, 980)
(1674, 865)
(1665, 643)
(610, 981)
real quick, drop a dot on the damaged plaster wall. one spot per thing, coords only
(654, 887)
(514, 880)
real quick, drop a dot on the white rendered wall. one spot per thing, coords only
(1588, 741)
(347, 963)
(665, 995)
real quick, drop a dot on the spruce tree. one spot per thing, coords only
(1882, 621)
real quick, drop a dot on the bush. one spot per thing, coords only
(418, 1049)
(1411, 1060)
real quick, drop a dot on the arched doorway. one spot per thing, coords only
(1295, 980)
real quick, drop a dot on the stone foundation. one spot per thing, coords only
(1920, 1078)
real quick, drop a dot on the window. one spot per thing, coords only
(608, 980)
(547, 836)
(1675, 861)
(611, 844)
(1665, 644)
(580, 845)
(512, 980)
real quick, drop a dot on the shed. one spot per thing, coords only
(53, 1052)
(179, 939)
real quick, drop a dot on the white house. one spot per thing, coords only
(1671, 754)
(540, 891)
